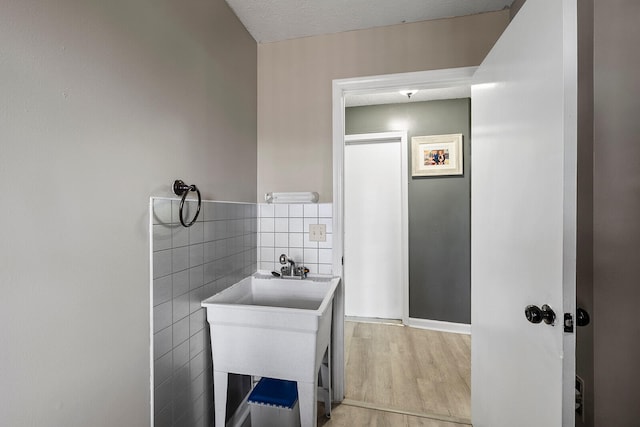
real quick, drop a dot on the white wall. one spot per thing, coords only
(105, 103)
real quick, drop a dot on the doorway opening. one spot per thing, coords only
(432, 85)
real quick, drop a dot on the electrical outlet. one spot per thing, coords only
(318, 232)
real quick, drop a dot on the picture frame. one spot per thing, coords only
(436, 155)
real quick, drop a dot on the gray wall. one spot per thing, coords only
(584, 261)
(439, 209)
(616, 210)
(105, 103)
(190, 265)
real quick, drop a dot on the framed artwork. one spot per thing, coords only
(436, 155)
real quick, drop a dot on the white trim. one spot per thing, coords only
(151, 379)
(338, 201)
(569, 243)
(397, 136)
(432, 79)
(366, 138)
(439, 325)
(396, 322)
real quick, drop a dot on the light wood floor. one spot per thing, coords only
(415, 371)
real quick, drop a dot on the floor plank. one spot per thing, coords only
(408, 369)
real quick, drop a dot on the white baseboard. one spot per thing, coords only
(438, 325)
(373, 320)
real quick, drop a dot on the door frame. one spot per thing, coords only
(401, 137)
(452, 78)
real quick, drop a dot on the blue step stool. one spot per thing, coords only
(274, 403)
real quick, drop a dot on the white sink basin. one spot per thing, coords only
(268, 291)
(271, 327)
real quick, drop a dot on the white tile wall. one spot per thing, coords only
(284, 228)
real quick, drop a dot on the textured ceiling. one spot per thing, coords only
(275, 20)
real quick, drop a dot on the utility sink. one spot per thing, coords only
(271, 327)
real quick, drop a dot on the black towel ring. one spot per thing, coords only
(182, 189)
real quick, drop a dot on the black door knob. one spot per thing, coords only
(548, 315)
(537, 315)
(533, 314)
(582, 317)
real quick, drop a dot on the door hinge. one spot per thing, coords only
(568, 323)
(342, 260)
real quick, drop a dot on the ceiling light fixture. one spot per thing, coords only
(409, 92)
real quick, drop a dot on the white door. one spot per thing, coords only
(375, 261)
(523, 220)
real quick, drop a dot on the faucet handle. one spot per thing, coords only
(285, 271)
(283, 259)
(301, 271)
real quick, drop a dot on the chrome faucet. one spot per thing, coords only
(287, 270)
(290, 271)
